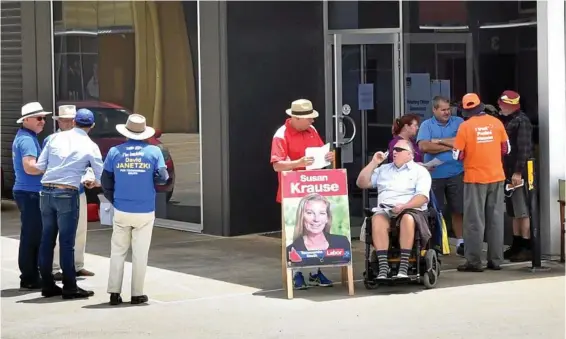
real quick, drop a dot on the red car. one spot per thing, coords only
(104, 134)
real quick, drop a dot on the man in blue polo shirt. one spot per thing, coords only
(130, 172)
(25, 151)
(66, 121)
(435, 139)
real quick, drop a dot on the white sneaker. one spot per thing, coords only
(401, 276)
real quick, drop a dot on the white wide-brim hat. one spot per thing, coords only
(66, 112)
(30, 110)
(302, 108)
(135, 128)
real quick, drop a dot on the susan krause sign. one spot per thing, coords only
(316, 218)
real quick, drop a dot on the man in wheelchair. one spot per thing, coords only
(403, 188)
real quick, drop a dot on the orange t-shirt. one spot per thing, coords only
(482, 141)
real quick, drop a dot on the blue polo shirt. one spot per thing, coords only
(433, 129)
(134, 164)
(25, 144)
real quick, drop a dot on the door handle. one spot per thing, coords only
(353, 123)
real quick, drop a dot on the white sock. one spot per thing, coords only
(460, 241)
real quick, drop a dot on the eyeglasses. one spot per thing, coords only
(399, 149)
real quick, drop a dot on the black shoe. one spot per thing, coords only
(460, 250)
(77, 294)
(52, 291)
(24, 286)
(115, 299)
(141, 299)
(521, 256)
(492, 266)
(512, 250)
(58, 276)
(469, 268)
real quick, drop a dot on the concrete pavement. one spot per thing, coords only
(210, 287)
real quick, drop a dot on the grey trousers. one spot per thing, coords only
(484, 206)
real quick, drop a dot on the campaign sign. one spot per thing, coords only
(316, 218)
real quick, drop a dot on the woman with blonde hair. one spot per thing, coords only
(312, 234)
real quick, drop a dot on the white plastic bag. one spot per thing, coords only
(88, 176)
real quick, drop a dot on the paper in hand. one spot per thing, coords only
(318, 153)
(433, 163)
(88, 176)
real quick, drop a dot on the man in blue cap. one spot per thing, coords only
(64, 160)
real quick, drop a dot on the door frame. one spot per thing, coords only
(356, 37)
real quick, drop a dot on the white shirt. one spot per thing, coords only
(399, 185)
(66, 156)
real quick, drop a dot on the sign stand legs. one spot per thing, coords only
(348, 275)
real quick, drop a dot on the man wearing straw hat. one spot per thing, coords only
(288, 154)
(66, 121)
(130, 172)
(64, 161)
(25, 151)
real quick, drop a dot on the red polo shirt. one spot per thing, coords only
(290, 144)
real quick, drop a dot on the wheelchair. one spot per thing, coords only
(424, 263)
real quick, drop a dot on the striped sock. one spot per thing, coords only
(383, 264)
(404, 262)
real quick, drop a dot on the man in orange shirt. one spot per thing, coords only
(480, 143)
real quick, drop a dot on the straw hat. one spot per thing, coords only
(32, 109)
(302, 108)
(135, 128)
(66, 112)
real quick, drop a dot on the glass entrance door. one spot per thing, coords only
(363, 98)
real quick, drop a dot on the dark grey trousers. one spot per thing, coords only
(484, 206)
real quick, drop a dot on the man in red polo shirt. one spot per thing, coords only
(288, 154)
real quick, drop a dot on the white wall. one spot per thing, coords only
(552, 117)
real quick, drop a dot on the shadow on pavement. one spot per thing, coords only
(255, 261)
(15, 292)
(448, 279)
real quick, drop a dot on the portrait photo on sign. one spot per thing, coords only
(317, 230)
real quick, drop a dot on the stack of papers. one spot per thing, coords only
(433, 163)
(318, 153)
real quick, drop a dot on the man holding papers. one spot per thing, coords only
(288, 153)
(435, 140)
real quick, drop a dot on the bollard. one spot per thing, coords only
(532, 189)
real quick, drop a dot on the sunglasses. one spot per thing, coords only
(399, 149)
(39, 118)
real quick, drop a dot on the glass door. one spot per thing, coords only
(438, 63)
(363, 99)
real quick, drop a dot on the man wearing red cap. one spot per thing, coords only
(519, 129)
(480, 142)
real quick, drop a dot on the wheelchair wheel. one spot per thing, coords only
(430, 276)
(369, 283)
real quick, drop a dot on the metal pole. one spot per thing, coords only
(534, 217)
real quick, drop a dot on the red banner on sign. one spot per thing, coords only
(327, 183)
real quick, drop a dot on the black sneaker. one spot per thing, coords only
(460, 250)
(469, 268)
(511, 251)
(52, 291)
(492, 266)
(141, 299)
(24, 286)
(521, 256)
(77, 294)
(115, 299)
